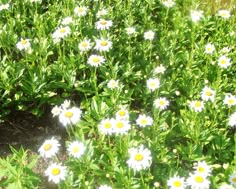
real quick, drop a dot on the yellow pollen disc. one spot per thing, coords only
(68, 114)
(208, 93)
(231, 101)
(201, 169)
(122, 113)
(96, 60)
(161, 102)
(80, 10)
(84, 44)
(55, 171)
(120, 125)
(234, 180)
(153, 84)
(223, 61)
(199, 179)
(197, 104)
(143, 121)
(177, 183)
(75, 150)
(138, 157)
(47, 147)
(104, 43)
(62, 30)
(23, 42)
(107, 125)
(103, 22)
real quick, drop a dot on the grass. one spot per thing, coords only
(187, 130)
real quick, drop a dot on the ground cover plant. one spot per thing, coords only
(145, 91)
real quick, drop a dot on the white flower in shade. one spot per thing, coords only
(70, 116)
(144, 120)
(96, 60)
(121, 126)
(168, 3)
(226, 186)
(153, 84)
(230, 100)
(66, 104)
(61, 32)
(4, 6)
(103, 24)
(224, 61)
(139, 158)
(202, 168)
(198, 181)
(23, 44)
(232, 179)
(209, 48)
(130, 30)
(161, 103)
(208, 94)
(56, 111)
(56, 173)
(176, 182)
(232, 120)
(224, 14)
(101, 13)
(76, 149)
(106, 126)
(104, 187)
(196, 15)
(112, 84)
(197, 105)
(149, 35)
(160, 69)
(122, 114)
(103, 45)
(80, 11)
(49, 148)
(225, 50)
(85, 45)
(67, 20)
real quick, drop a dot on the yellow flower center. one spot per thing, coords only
(177, 183)
(138, 157)
(62, 30)
(143, 121)
(122, 113)
(153, 84)
(75, 149)
(201, 169)
(68, 114)
(198, 104)
(80, 10)
(107, 125)
(161, 102)
(96, 60)
(120, 125)
(84, 44)
(208, 93)
(23, 42)
(234, 180)
(56, 171)
(104, 43)
(231, 101)
(47, 147)
(199, 179)
(223, 61)
(103, 22)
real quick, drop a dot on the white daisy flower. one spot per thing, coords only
(149, 35)
(226, 186)
(104, 187)
(161, 103)
(139, 158)
(144, 120)
(101, 13)
(106, 126)
(224, 61)
(208, 94)
(56, 173)
(103, 45)
(197, 105)
(112, 84)
(121, 126)
(81, 11)
(209, 48)
(122, 114)
(85, 45)
(61, 32)
(225, 50)
(198, 181)
(66, 104)
(232, 120)
(224, 14)
(202, 168)
(23, 44)
(70, 116)
(196, 15)
(160, 69)
(130, 30)
(49, 148)
(76, 149)
(67, 20)
(96, 60)
(176, 182)
(35, 1)
(232, 179)
(4, 6)
(230, 100)
(168, 3)
(56, 111)
(103, 24)
(153, 84)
